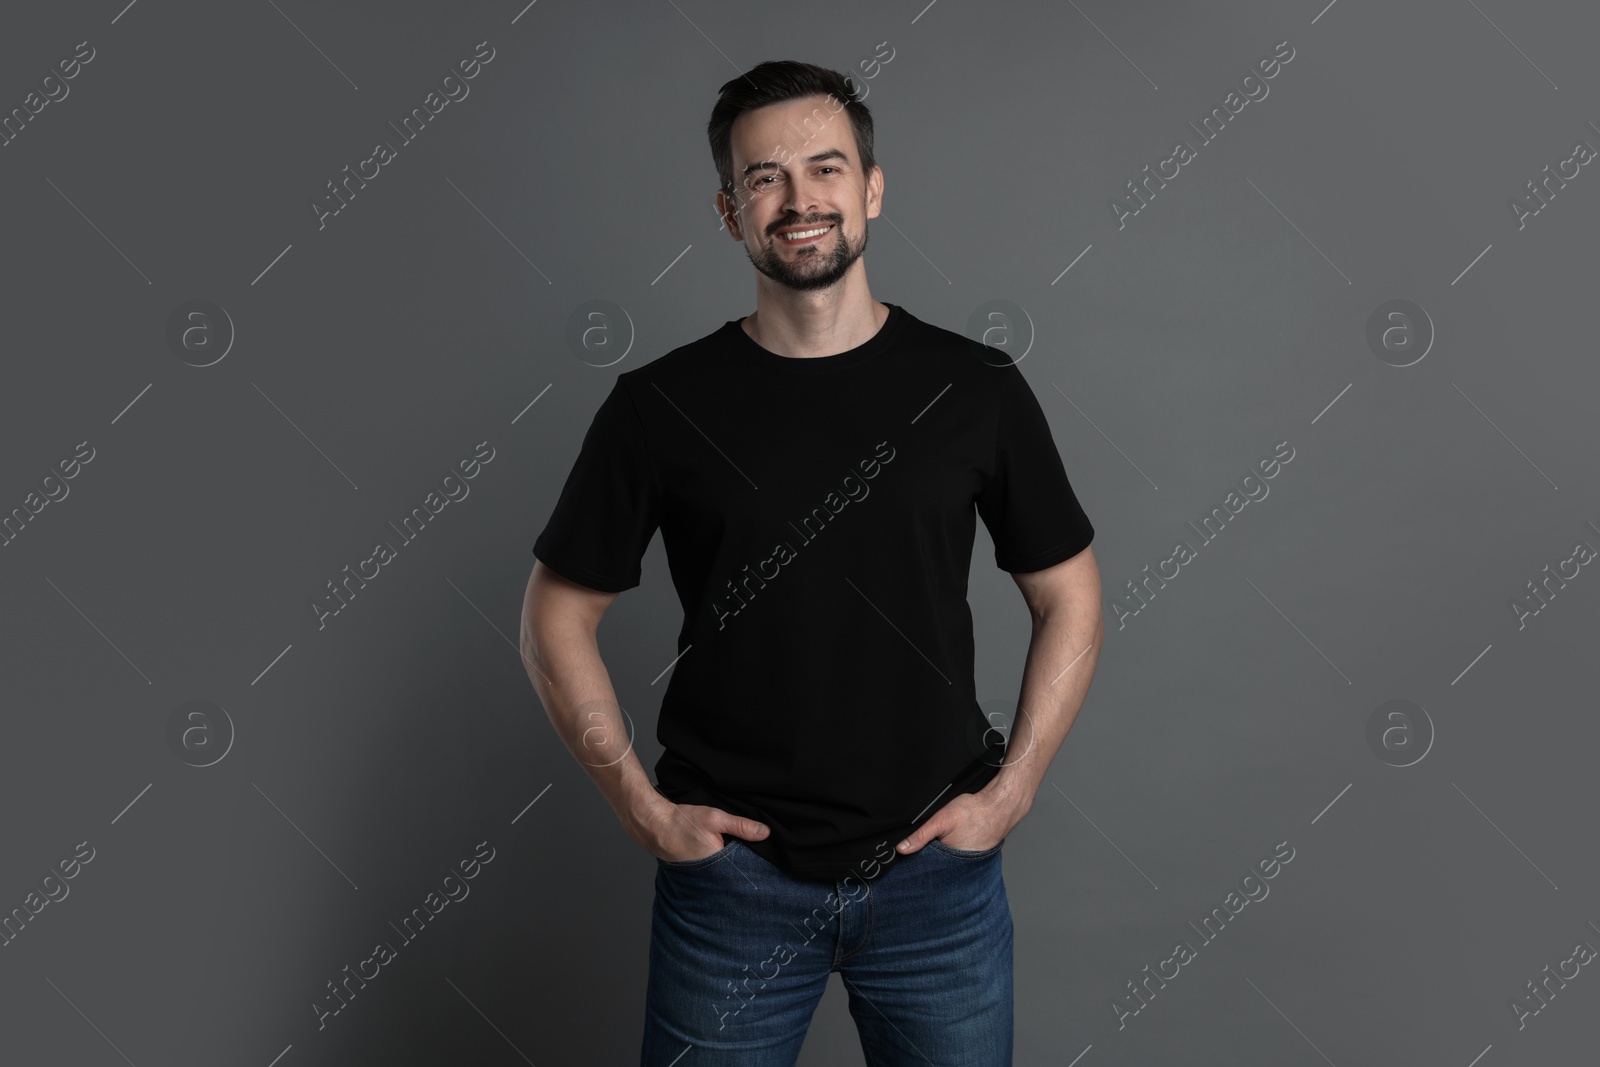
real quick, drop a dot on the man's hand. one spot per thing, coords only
(974, 822)
(682, 832)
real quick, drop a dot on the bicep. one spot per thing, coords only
(1072, 584)
(553, 597)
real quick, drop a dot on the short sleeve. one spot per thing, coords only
(610, 506)
(1026, 501)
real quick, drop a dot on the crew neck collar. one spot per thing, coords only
(749, 350)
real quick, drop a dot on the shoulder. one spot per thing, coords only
(690, 361)
(983, 371)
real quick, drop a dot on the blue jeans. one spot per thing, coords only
(740, 954)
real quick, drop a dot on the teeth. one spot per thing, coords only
(805, 233)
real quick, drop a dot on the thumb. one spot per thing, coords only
(919, 837)
(745, 828)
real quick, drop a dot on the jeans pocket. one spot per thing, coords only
(733, 843)
(962, 853)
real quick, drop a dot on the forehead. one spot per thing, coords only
(801, 127)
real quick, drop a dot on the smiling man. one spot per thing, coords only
(830, 796)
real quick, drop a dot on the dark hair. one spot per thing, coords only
(773, 82)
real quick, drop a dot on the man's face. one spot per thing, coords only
(795, 170)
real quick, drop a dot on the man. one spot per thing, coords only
(830, 796)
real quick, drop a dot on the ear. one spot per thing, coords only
(875, 192)
(727, 209)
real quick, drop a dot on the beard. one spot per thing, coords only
(817, 266)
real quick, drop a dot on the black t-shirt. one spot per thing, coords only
(818, 516)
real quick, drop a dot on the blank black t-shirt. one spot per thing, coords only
(818, 516)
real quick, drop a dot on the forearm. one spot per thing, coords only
(563, 663)
(1062, 654)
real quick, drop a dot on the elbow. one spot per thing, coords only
(559, 618)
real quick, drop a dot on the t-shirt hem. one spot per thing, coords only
(582, 575)
(859, 857)
(1044, 560)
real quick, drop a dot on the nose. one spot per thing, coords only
(801, 201)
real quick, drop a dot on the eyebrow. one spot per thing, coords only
(831, 153)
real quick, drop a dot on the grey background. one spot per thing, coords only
(1229, 315)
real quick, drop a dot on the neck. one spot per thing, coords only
(822, 323)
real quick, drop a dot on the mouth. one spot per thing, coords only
(800, 237)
